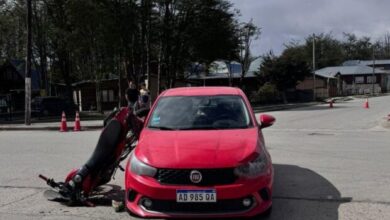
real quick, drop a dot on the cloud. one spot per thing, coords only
(282, 21)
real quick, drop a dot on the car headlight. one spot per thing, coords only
(140, 168)
(254, 168)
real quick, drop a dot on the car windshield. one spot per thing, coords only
(200, 113)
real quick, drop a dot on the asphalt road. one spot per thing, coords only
(329, 164)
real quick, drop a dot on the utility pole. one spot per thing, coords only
(314, 67)
(373, 70)
(229, 69)
(230, 74)
(27, 115)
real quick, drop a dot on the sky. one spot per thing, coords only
(283, 21)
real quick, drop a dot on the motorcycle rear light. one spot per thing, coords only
(264, 194)
(131, 194)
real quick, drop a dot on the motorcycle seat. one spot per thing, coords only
(104, 153)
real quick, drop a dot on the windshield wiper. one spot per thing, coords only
(232, 127)
(162, 128)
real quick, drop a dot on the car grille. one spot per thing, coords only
(222, 206)
(210, 177)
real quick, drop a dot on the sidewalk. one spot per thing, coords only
(268, 108)
(89, 121)
(52, 126)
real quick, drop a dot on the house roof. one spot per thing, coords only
(83, 82)
(255, 65)
(330, 72)
(366, 62)
(20, 67)
(90, 81)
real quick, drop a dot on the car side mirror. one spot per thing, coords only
(266, 120)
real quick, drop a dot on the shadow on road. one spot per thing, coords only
(300, 193)
(107, 193)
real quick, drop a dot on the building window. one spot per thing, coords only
(371, 79)
(108, 96)
(359, 79)
(75, 98)
(111, 95)
(105, 95)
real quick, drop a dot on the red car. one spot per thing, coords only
(201, 154)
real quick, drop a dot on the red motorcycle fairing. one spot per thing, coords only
(89, 183)
(122, 118)
(114, 145)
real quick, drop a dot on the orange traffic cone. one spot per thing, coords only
(331, 103)
(77, 126)
(366, 105)
(63, 127)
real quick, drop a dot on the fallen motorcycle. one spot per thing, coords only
(118, 138)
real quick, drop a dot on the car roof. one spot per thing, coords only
(202, 91)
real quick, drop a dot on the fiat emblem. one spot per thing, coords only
(195, 176)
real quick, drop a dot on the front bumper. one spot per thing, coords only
(229, 198)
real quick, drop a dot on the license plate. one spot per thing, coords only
(196, 195)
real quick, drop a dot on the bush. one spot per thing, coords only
(266, 94)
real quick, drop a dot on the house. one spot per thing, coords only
(325, 87)
(12, 82)
(12, 77)
(221, 74)
(377, 64)
(85, 94)
(350, 80)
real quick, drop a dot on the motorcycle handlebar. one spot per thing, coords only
(48, 181)
(43, 177)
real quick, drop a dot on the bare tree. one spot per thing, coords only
(248, 33)
(387, 45)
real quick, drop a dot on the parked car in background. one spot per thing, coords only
(201, 153)
(45, 106)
